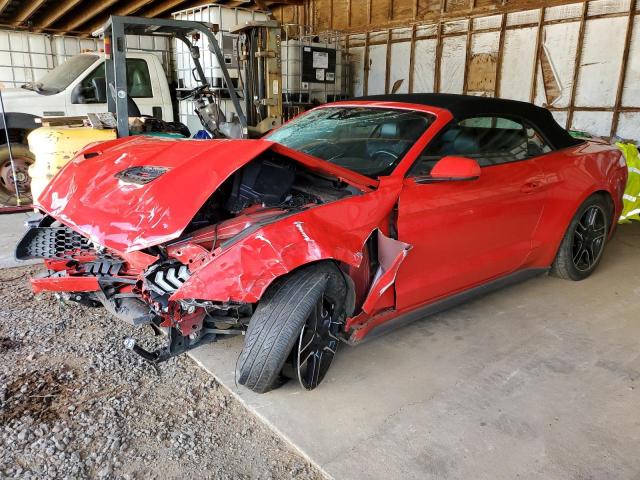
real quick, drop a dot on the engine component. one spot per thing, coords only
(263, 182)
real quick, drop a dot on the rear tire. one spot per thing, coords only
(583, 244)
(22, 158)
(277, 325)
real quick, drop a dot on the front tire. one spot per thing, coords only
(296, 323)
(582, 246)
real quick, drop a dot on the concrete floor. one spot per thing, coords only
(538, 380)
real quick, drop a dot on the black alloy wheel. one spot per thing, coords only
(589, 238)
(317, 344)
(584, 240)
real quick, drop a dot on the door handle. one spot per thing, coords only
(531, 186)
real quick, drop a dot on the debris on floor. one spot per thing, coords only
(75, 404)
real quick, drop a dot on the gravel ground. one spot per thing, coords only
(74, 404)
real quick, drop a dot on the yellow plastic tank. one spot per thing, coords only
(53, 147)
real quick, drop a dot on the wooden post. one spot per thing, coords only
(536, 59)
(496, 92)
(436, 69)
(330, 14)
(365, 80)
(387, 67)
(578, 61)
(412, 58)
(623, 67)
(467, 56)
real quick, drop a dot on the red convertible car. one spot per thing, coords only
(352, 217)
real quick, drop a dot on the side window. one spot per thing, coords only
(138, 78)
(487, 139)
(138, 81)
(87, 92)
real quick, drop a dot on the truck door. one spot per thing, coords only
(144, 85)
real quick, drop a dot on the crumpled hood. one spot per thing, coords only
(90, 195)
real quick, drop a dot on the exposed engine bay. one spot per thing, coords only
(138, 286)
(270, 182)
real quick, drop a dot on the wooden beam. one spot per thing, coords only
(367, 67)
(498, 81)
(438, 60)
(578, 61)
(162, 7)
(127, 9)
(536, 59)
(25, 13)
(55, 14)
(3, 5)
(623, 67)
(387, 65)
(412, 58)
(87, 14)
(467, 56)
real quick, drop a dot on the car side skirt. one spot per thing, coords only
(368, 332)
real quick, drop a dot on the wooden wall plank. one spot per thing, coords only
(359, 13)
(340, 14)
(380, 12)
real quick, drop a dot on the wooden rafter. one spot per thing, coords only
(162, 7)
(3, 5)
(26, 11)
(86, 15)
(56, 14)
(126, 9)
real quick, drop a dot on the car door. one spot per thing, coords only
(464, 233)
(140, 87)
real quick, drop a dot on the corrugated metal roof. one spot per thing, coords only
(85, 16)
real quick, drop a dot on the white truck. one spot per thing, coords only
(70, 90)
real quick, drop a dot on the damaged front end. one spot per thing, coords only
(195, 266)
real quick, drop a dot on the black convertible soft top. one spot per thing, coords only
(462, 106)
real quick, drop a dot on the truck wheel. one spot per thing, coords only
(296, 322)
(22, 158)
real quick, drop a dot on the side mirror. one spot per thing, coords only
(100, 88)
(455, 169)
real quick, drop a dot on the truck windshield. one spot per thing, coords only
(61, 77)
(367, 140)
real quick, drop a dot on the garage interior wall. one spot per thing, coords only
(25, 57)
(587, 53)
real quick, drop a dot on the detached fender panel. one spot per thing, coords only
(337, 231)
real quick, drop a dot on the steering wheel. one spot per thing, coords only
(380, 156)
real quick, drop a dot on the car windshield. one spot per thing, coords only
(61, 77)
(367, 140)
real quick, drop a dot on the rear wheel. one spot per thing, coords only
(293, 332)
(22, 158)
(583, 243)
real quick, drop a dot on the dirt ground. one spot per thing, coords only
(75, 404)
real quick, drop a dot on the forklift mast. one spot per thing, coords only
(260, 52)
(115, 31)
